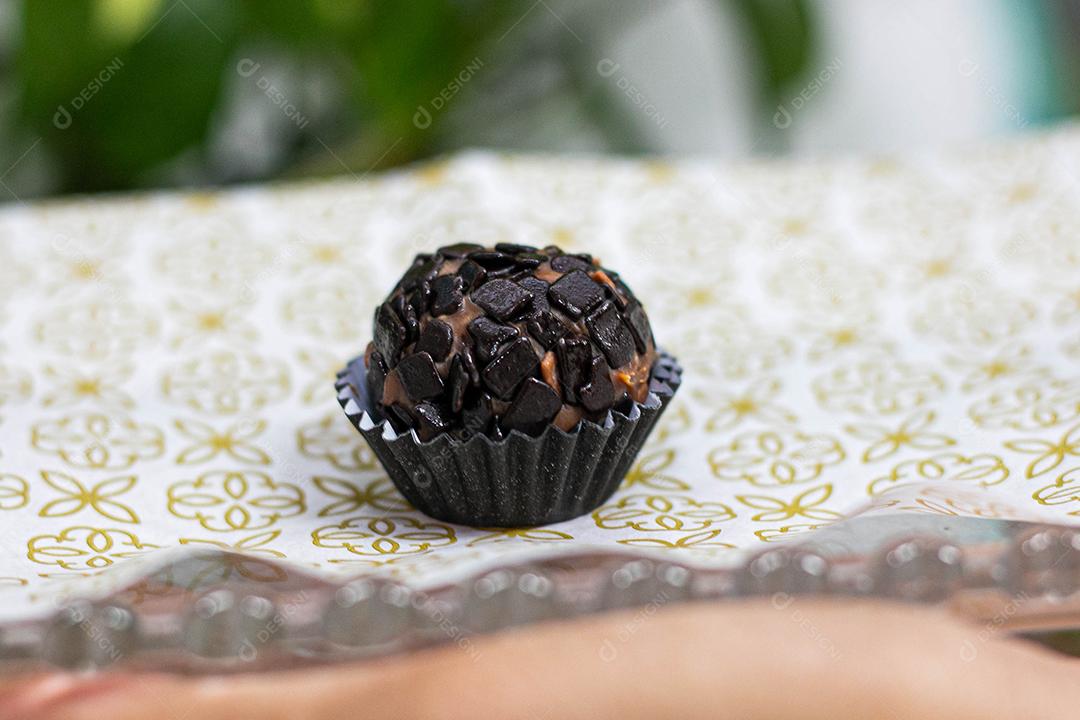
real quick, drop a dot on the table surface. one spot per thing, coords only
(863, 336)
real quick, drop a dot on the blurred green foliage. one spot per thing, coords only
(130, 93)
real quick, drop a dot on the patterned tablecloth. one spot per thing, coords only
(859, 336)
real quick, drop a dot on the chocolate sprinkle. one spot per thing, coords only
(459, 383)
(489, 335)
(512, 365)
(574, 357)
(459, 250)
(419, 377)
(566, 263)
(389, 333)
(596, 394)
(432, 420)
(436, 339)
(471, 275)
(575, 294)
(447, 297)
(534, 407)
(611, 334)
(501, 298)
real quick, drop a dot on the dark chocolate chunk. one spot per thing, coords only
(459, 383)
(420, 297)
(376, 376)
(493, 260)
(610, 333)
(529, 261)
(390, 333)
(575, 294)
(599, 393)
(534, 407)
(423, 268)
(546, 328)
(488, 335)
(432, 420)
(477, 415)
(399, 417)
(446, 295)
(469, 364)
(566, 263)
(408, 316)
(471, 275)
(623, 287)
(419, 377)
(615, 297)
(458, 250)
(500, 298)
(639, 324)
(574, 357)
(513, 364)
(436, 339)
(538, 289)
(514, 249)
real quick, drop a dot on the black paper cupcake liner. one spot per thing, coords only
(519, 480)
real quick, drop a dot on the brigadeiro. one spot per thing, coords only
(508, 386)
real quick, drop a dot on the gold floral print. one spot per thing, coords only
(249, 557)
(652, 513)
(213, 254)
(370, 535)
(703, 539)
(1063, 491)
(333, 439)
(1014, 360)
(775, 458)
(15, 384)
(14, 492)
(97, 441)
(224, 500)
(648, 472)
(100, 387)
(973, 312)
(530, 534)
(935, 502)
(253, 545)
(350, 497)
(886, 441)
(806, 504)
(226, 383)
(328, 310)
(785, 532)
(1067, 308)
(101, 497)
(96, 329)
(85, 548)
(234, 442)
(200, 323)
(757, 402)
(877, 387)
(1032, 405)
(322, 368)
(983, 470)
(1049, 454)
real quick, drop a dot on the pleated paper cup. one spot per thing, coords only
(517, 481)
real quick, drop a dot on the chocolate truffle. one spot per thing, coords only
(476, 340)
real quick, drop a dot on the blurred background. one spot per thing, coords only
(111, 95)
